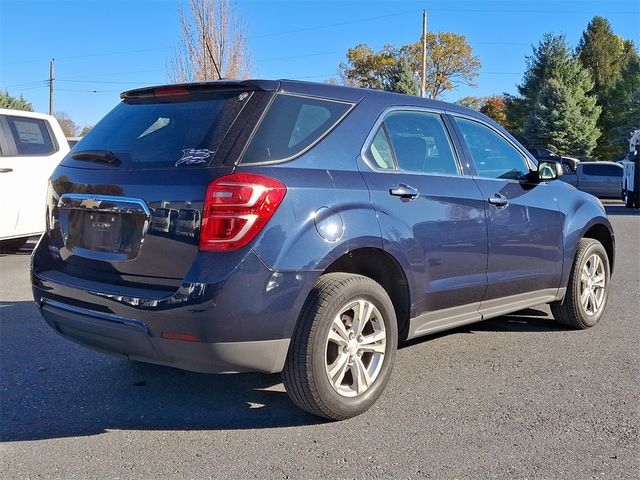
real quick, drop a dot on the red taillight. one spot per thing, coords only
(236, 208)
(183, 337)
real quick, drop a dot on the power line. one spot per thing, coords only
(100, 81)
(331, 25)
(105, 54)
(93, 75)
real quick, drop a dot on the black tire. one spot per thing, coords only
(628, 200)
(13, 244)
(305, 376)
(570, 311)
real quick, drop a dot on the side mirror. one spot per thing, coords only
(549, 170)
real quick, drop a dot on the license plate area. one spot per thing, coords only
(109, 228)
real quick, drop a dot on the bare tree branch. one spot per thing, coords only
(212, 44)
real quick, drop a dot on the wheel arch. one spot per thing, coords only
(603, 234)
(382, 267)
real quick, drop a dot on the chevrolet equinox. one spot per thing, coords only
(283, 226)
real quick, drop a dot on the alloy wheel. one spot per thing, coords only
(355, 348)
(592, 284)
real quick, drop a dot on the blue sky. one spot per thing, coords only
(103, 47)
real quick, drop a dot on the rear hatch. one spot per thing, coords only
(124, 206)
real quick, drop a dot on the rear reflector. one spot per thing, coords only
(185, 337)
(236, 208)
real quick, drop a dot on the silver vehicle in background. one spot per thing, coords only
(600, 179)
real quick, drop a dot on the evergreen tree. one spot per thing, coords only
(602, 53)
(14, 103)
(403, 78)
(552, 52)
(622, 114)
(558, 121)
(555, 93)
(605, 55)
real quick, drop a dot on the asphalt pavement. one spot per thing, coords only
(513, 397)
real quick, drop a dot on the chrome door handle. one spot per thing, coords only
(498, 200)
(404, 191)
(6, 170)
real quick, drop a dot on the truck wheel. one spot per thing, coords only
(343, 348)
(588, 288)
(13, 244)
(628, 200)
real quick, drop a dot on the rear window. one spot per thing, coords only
(292, 125)
(31, 136)
(171, 132)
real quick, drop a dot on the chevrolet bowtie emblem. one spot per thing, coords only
(90, 203)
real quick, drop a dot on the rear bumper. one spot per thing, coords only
(241, 313)
(130, 338)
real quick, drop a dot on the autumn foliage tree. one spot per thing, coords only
(367, 68)
(68, 126)
(213, 35)
(495, 107)
(450, 63)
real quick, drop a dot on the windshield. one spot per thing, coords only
(181, 131)
(187, 215)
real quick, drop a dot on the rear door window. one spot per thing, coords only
(175, 131)
(421, 143)
(292, 125)
(31, 136)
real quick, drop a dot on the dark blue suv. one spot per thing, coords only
(287, 226)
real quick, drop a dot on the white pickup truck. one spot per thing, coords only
(31, 146)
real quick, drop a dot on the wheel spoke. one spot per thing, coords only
(373, 338)
(598, 298)
(584, 298)
(592, 302)
(338, 369)
(362, 315)
(584, 276)
(361, 378)
(338, 333)
(598, 281)
(336, 338)
(596, 265)
(373, 348)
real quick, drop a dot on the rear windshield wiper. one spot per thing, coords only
(105, 156)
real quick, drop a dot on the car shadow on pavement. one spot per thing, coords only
(26, 249)
(54, 388)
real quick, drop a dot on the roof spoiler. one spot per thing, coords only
(209, 86)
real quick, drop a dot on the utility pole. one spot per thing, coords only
(423, 87)
(51, 86)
